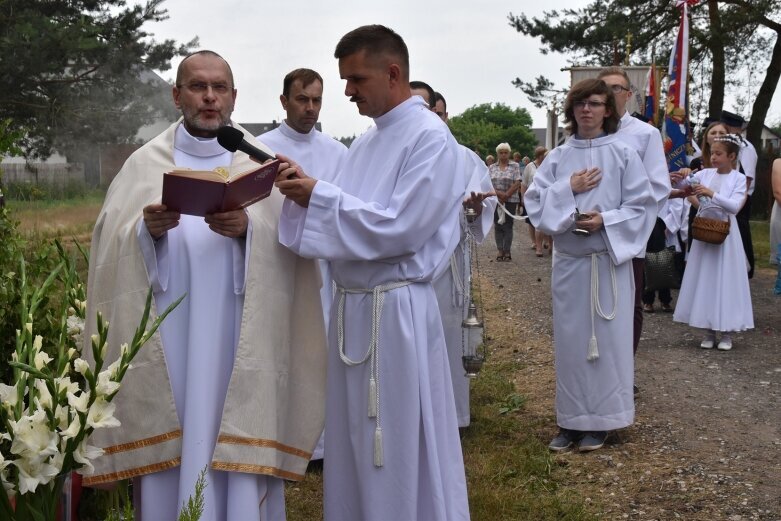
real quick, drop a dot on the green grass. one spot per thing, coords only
(510, 472)
(760, 237)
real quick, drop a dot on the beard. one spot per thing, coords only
(198, 125)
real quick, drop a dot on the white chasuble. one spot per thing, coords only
(592, 283)
(232, 382)
(452, 287)
(199, 339)
(388, 223)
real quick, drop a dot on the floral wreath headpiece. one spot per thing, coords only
(730, 138)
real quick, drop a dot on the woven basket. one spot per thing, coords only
(712, 231)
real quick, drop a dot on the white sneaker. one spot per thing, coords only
(707, 343)
(725, 344)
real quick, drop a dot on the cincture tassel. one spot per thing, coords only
(596, 307)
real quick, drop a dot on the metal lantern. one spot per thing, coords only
(473, 338)
(472, 329)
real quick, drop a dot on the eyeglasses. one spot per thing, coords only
(200, 87)
(582, 104)
(617, 89)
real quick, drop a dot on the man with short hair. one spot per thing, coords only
(647, 141)
(219, 387)
(320, 155)
(747, 164)
(388, 225)
(424, 90)
(440, 106)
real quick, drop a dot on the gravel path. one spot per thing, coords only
(707, 439)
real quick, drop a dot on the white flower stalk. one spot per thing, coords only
(81, 402)
(65, 385)
(41, 359)
(84, 454)
(81, 366)
(106, 386)
(8, 396)
(37, 344)
(44, 396)
(101, 415)
(34, 472)
(32, 437)
(73, 429)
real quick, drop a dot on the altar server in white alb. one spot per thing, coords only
(592, 194)
(452, 287)
(319, 154)
(233, 383)
(388, 226)
(646, 140)
(715, 293)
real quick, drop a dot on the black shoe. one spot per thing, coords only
(636, 390)
(565, 439)
(592, 441)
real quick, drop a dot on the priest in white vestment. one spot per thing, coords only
(596, 184)
(320, 155)
(231, 384)
(388, 226)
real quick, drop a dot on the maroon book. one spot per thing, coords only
(201, 192)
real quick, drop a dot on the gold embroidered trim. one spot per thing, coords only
(154, 440)
(256, 469)
(131, 473)
(255, 442)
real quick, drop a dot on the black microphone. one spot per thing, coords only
(232, 139)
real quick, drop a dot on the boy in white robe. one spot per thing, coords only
(388, 227)
(596, 184)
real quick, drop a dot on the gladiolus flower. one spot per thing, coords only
(41, 358)
(32, 436)
(101, 415)
(81, 402)
(81, 366)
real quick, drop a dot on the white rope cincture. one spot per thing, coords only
(513, 216)
(372, 353)
(596, 306)
(593, 348)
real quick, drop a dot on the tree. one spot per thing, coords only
(482, 127)
(738, 32)
(70, 72)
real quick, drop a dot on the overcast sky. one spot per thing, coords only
(464, 49)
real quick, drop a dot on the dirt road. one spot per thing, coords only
(706, 444)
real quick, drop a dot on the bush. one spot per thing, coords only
(23, 191)
(40, 260)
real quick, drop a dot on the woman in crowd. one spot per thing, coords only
(714, 293)
(593, 196)
(506, 178)
(775, 222)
